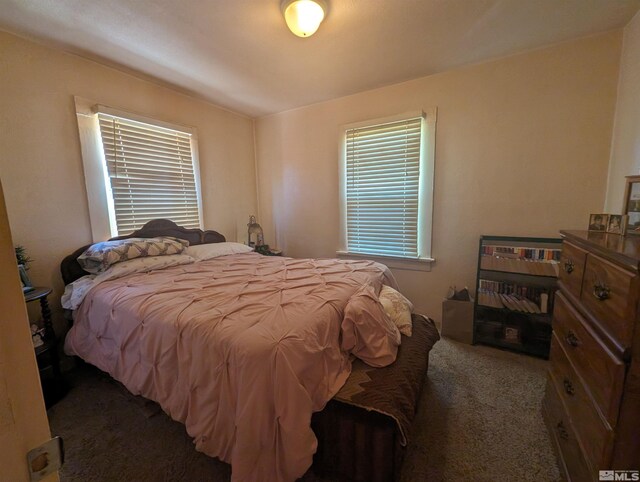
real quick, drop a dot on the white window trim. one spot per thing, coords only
(99, 196)
(425, 196)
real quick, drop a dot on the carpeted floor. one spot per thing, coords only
(479, 420)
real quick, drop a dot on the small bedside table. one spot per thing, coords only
(53, 387)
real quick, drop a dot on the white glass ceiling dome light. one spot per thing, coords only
(303, 17)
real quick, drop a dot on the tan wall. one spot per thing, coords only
(522, 149)
(40, 163)
(625, 150)
(23, 420)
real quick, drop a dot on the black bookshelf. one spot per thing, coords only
(515, 290)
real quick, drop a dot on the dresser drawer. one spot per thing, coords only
(610, 294)
(564, 437)
(572, 261)
(594, 435)
(602, 372)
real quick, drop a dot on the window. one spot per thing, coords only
(137, 169)
(387, 180)
(150, 172)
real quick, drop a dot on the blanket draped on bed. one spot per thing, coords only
(394, 390)
(241, 349)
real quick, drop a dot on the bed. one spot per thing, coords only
(243, 349)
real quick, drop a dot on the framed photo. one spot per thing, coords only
(26, 282)
(632, 204)
(598, 222)
(511, 334)
(617, 223)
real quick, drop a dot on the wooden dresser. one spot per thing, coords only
(592, 400)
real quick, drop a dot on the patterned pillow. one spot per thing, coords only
(98, 257)
(398, 308)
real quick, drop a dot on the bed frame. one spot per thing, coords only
(363, 431)
(71, 270)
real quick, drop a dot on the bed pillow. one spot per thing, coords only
(201, 252)
(367, 331)
(398, 308)
(100, 256)
(75, 292)
(144, 265)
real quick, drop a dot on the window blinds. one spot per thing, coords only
(382, 188)
(151, 172)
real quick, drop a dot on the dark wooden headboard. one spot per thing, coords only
(71, 270)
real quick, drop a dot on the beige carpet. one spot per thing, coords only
(479, 420)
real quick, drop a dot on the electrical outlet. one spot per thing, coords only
(45, 459)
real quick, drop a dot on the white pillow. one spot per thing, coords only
(367, 332)
(200, 252)
(398, 308)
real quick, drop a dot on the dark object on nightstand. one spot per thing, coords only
(53, 385)
(265, 250)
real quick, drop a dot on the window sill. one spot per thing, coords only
(419, 264)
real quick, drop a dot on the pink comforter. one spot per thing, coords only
(241, 349)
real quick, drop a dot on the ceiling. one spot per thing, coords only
(239, 54)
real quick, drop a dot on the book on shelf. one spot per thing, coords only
(537, 254)
(509, 303)
(544, 302)
(489, 298)
(501, 294)
(544, 267)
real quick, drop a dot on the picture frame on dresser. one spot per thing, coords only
(617, 224)
(598, 222)
(632, 204)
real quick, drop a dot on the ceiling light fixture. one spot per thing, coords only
(303, 17)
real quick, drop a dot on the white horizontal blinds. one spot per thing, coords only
(383, 171)
(151, 173)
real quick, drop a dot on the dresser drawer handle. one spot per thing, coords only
(568, 387)
(572, 339)
(601, 291)
(562, 431)
(568, 266)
